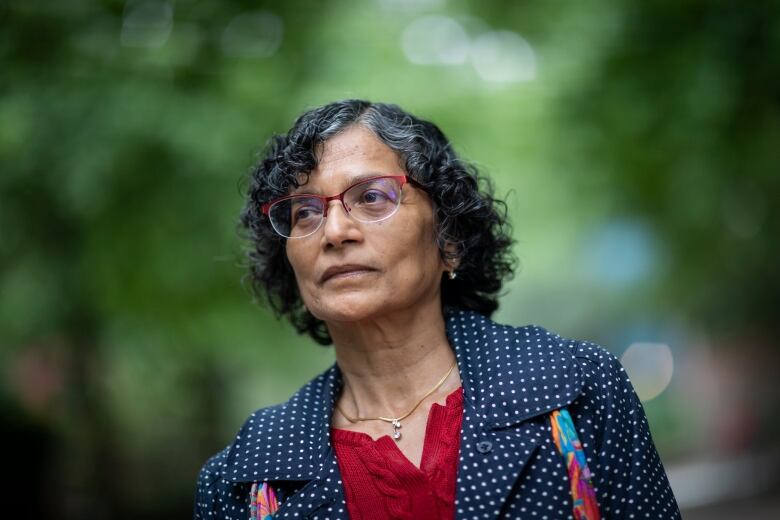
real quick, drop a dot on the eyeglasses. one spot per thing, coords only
(370, 200)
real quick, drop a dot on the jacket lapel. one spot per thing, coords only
(289, 445)
(509, 376)
(322, 497)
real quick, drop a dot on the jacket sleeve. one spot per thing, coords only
(629, 479)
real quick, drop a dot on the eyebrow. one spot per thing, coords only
(351, 181)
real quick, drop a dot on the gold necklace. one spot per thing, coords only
(396, 421)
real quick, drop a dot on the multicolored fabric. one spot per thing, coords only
(584, 505)
(262, 503)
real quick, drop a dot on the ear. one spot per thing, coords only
(451, 259)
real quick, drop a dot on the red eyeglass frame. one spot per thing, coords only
(402, 179)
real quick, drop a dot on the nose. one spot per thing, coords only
(338, 227)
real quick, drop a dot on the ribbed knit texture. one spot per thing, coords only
(381, 483)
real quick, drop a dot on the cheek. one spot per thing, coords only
(416, 258)
(301, 265)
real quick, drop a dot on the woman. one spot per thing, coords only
(369, 233)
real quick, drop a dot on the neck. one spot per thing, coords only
(390, 363)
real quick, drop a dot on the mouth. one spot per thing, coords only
(345, 271)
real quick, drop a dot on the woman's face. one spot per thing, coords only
(382, 266)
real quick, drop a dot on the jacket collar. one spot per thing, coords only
(291, 441)
(510, 375)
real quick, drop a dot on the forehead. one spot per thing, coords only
(352, 155)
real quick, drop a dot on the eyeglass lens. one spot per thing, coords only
(368, 201)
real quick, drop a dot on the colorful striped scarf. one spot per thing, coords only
(263, 503)
(584, 504)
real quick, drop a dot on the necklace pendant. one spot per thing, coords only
(396, 429)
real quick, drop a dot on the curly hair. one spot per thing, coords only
(471, 224)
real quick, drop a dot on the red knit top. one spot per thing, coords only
(381, 483)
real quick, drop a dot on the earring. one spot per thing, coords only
(453, 275)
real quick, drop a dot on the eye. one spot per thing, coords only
(304, 213)
(373, 196)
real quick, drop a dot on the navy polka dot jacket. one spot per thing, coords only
(509, 466)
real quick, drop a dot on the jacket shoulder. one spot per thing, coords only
(588, 361)
(584, 353)
(209, 488)
(293, 428)
(212, 469)
(597, 364)
(594, 363)
(276, 418)
(471, 328)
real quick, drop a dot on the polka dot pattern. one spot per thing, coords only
(508, 467)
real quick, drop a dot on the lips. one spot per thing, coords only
(344, 270)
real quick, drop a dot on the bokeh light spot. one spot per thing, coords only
(620, 253)
(432, 40)
(255, 34)
(503, 57)
(146, 24)
(650, 367)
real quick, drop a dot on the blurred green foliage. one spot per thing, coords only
(129, 342)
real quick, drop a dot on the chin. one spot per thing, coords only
(344, 314)
(347, 308)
